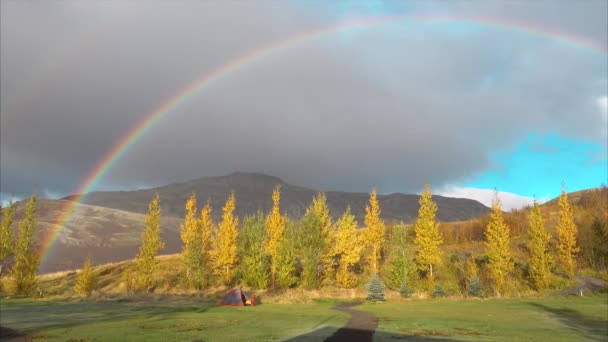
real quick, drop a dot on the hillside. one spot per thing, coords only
(253, 192)
(106, 234)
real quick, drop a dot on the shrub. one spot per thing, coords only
(474, 289)
(438, 292)
(375, 289)
(405, 290)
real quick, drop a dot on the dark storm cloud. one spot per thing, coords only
(386, 106)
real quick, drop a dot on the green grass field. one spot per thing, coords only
(551, 319)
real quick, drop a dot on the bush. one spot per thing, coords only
(474, 289)
(375, 289)
(438, 292)
(404, 290)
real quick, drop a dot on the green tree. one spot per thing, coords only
(428, 238)
(541, 259)
(27, 259)
(310, 243)
(376, 229)
(328, 256)
(254, 261)
(151, 244)
(285, 257)
(6, 232)
(86, 280)
(498, 251)
(566, 235)
(398, 264)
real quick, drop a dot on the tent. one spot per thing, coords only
(237, 297)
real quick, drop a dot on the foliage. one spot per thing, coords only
(471, 272)
(86, 280)
(474, 289)
(566, 235)
(6, 232)
(328, 260)
(310, 243)
(498, 251)
(275, 227)
(193, 252)
(26, 258)
(376, 229)
(254, 261)
(541, 259)
(404, 289)
(348, 248)
(439, 292)
(428, 237)
(224, 255)
(151, 244)
(375, 289)
(399, 265)
(286, 259)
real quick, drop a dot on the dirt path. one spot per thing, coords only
(360, 328)
(584, 284)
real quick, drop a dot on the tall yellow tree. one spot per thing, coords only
(541, 259)
(6, 232)
(207, 228)
(376, 229)
(192, 250)
(348, 248)
(566, 235)
(275, 227)
(428, 238)
(320, 208)
(498, 251)
(151, 244)
(27, 259)
(224, 255)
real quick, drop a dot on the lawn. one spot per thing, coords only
(551, 319)
(166, 321)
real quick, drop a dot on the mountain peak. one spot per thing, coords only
(253, 176)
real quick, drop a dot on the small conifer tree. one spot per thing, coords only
(404, 289)
(375, 289)
(566, 235)
(85, 282)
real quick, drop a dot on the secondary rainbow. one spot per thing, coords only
(206, 79)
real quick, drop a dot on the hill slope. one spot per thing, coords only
(106, 234)
(253, 192)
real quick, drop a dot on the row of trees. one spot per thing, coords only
(272, 251)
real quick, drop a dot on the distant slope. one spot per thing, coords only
(253, 192)
(106, 234)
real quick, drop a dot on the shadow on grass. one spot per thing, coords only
(329, 334)
(594, 329)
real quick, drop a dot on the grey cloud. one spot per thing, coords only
(380, 108)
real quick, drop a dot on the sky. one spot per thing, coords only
(505, 95)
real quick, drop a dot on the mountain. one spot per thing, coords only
(106, 234)
(253, 192)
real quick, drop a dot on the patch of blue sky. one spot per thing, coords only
(537, 166)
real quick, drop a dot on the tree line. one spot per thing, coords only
(271, 251)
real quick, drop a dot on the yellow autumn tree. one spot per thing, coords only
(207, 228)
(348, 249)
(86, 280)
(541, 259)
(566, 235)
(321, 210)
(428, 238)
(151, 244)
(224, 255)
(192, 250)
(497, 247)
(376, 229)
(275, 227)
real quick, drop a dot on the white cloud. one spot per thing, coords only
(509, 200)
(602, 102)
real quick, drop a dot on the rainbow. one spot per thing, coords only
(255, 55)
